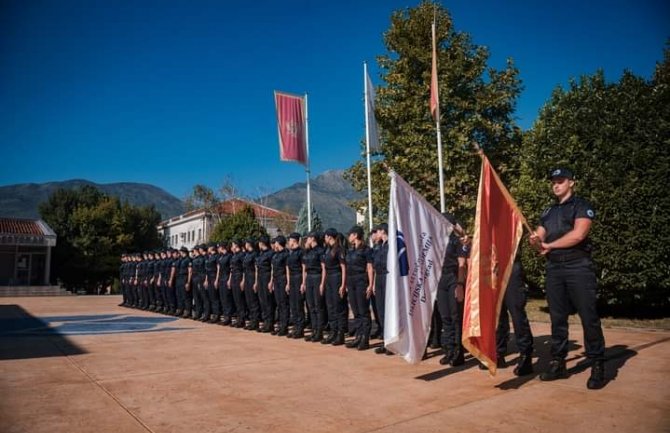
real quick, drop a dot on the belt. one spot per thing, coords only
(568, 257)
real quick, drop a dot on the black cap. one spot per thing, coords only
(294, 235)
(281, 240)
(562, 172)
(312, 234)
(264, 240)
(358, 230)
(183, 249)
(330, 232)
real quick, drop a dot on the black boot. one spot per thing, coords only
(525, 366)
(364, 344)
(446, 359)
(380, 350)
(330, 339)
(354, 343)
(317, 336)
(556, 370)
(597, 379)
(457, 359)
(339, 339)
(283, 332)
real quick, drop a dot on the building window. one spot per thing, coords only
(193, 235)
(199, 234)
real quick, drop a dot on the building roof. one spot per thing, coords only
(25, 231)
(232, 206)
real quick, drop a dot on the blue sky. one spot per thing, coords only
(179, 92)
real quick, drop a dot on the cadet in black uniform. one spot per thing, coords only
(155, 280)
(122, 279)
(133, 281)
(334, 284)
(198, 278)
(249, 284)
(562, 237)
(183, 282)
(296, 297)
(359, 286)
(223, 284)
(450, 294)
(160, 283)
(236, 275)
(145, 268)
(211, 264)
(279, 284)
(173, 260)
(312, 268)
(380, 254)
(263, 276)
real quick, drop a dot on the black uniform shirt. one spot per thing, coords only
(357, 260)
(454, 251)
(184, 264)
(249, 264)
(379, 255)
(210, 266)
(264, 261)
(279, 264)
(333, 260)
(199, 267)
(236, 267)
(294, 261)
(224, 264)
(560, 218)
(311, 258)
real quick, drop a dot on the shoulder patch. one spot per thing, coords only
(546, 211)
(590, 213)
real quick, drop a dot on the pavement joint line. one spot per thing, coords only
(102, 387)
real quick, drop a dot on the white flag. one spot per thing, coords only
(417, 237)
(371, 121)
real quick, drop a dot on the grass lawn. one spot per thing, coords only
(537, 312)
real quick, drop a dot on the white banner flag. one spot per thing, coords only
(417, 240)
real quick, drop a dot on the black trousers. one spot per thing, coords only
(360, 305)
(226, 297)
(380, 301)
(238, 296)
(266, 299)
(315, 302)
(213, 296)
(281, 298)
(514, 304)
(198, 296)
(296, 301)
(337, 306)
(184, 297)
(573, 284)
(451, 312)
(253, 307)
(144, 298)
(171, 295)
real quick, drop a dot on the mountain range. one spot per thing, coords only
(330, 196)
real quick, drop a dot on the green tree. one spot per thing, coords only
(93, 230)
(476, 104)
(240, 225)
(616, 138)
(301, 225)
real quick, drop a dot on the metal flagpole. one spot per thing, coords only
(307, 169)
(437, 126)
(367, 143)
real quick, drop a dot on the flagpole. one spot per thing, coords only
(308, 170)
(367, 143)
(437, 126)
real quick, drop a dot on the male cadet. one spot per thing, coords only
(170, 286)
(563, 238)
(450, 294)
(296, 296)
(132, 280)
(184, 274)
(122, 279)
(379, 255)
(222, 277)
(263, 276)
(200, 303)
(163, 280)
(211, 263)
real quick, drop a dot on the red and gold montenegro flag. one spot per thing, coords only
(498, 230)
(434, 92)
(292, 128)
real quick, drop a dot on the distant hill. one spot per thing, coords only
(22, 200)
(331, 194)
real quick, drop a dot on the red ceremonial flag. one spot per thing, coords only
(498, 230)
(434, 94)
(291, 127)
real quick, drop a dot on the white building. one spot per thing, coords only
(195, 227)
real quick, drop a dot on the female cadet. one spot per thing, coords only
(311, 281)
(334, 289)
(279, 285)
(235, 282)
(296, 297)
(359, 286)
(211, 264)
(379, 290)
(248, 284)
(222, 277)
(263, 276)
